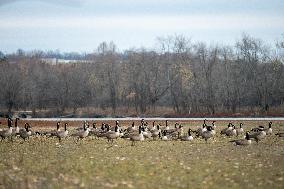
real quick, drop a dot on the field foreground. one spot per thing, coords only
(93, 163)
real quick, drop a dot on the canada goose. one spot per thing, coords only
(243, 142)
(53, 133)
(131, 128)
(136, 137)
(8, 132)
(103, 131)
(16, 130)
(62, 134)
(147, 133)
(204, 122)
(25, 133)
(143, 123)
(167, 128)
(259, 135)
(155, 133)
(231, 132)
(269, 129)
(180, 131)
(85, 124)
(280, 134)
(97, 131)
(207, 134)
(171, 131)
(188, 137)
(165, 137)
(153, 127)
(113, 134)
(240, 130)
(116, 125)
(213, 125)
(94, 127)
(223, 131)
(200, 130)
(82, 134)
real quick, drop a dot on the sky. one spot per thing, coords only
(81, 25)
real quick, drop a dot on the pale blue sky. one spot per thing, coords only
(80, 25)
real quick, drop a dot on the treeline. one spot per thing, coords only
(187, 77)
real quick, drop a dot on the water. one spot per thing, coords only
(160, 119)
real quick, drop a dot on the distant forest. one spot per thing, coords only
(181, 76)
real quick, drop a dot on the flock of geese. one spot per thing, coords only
(142, 132)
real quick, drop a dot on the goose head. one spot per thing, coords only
(270, 124)
(65, 126)
(247, 136)
(158, 127)
(176, 125)
(103, 126)
(189, 130)
(27, 126)
(57, 126)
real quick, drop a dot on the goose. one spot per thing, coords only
(231, 132)
(96, 132)
(143, 123)
(259, 135)
(207, 134)
(155, 133)
(147, 133)
(165, 137)
(116, 124)
(16, 130)
(200, 130)
(82, 134)
(136, 137)
(85, 123)
(171, 131)
(280, 134)
(269, 129)
(180, 131)
(240, 130)
(113, 134)
(102, 133)
(243, 142)
(53, 133)
(94, 127)
(131, 128)
(167, 128)
(153, 127)
(188, 137)
(213, 125)
(223, 131)
(25, 132)
(62, 134)
(8, 132)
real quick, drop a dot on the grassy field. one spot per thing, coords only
(94, 163)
